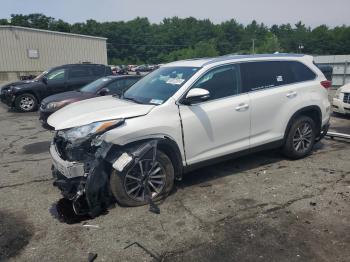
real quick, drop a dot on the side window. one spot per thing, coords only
(56, 75)
(116, 87)
(79, 72)
(98, 71)
(302, 72)
(221, 82)
(130, 82)
(262, 75)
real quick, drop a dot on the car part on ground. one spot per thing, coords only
(338, 135)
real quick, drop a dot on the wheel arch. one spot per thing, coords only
(313, 112)
(165, 144)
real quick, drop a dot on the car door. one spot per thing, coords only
(273, 97)
(56, 81)
(78, 76)
(220, 125)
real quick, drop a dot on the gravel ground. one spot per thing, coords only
(256, 208)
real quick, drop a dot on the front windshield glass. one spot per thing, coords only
(40, 76)
(159, 85)
(93, 87)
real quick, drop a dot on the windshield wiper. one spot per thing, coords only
(131, 99)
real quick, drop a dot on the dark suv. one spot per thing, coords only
(25, 96)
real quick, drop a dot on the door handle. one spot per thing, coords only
(242, 107)
(291, 94)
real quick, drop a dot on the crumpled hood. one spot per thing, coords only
(94, 110)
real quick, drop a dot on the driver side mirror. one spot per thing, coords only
(196, 95)
(104, 91)
(44, 80)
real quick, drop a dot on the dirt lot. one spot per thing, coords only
(256, 208)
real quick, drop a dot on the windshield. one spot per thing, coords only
(40, 76)
(159, 85)
(93, 87)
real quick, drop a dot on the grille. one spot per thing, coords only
(346, 98)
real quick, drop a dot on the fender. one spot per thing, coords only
(164, 143)
(305, 111)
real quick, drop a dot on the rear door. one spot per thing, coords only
(274, 95)
(220, 125)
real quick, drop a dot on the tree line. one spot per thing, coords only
(139, 41)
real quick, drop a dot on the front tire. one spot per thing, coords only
(300, 138)
(128, 187)
(26, 103)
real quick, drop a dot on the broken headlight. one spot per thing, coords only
(87, 131)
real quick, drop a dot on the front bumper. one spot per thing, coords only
(340, 107)
(7, 98)
(43, 116)
(65, 168)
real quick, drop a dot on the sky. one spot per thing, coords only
(310, 12)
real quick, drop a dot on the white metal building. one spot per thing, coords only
(26, 51)
(341, 67)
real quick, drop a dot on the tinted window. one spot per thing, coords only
(94, 86)
(98, 70)
(116, 87)
(262, 75)
(221, 82)
(302, 72)
(129, 82)
(79, 72)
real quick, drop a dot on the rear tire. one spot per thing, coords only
(300, 138)
(127, 187)
(26, 103)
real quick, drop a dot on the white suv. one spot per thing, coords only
(185, 115)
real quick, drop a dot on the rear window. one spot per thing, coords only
(269, 74)
(98, 70)
(79, 72)
(302, 72)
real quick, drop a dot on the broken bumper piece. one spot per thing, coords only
(66, 168)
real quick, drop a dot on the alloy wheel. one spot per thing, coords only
(302, 139)
(26, 103)
(142, 175)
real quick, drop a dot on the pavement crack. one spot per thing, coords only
(287, 204)
(189, 211)
(26, 183)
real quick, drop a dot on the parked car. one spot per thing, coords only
(109, 85)
(183, 116)
(142, 69)
(341, 101)
(25, 96)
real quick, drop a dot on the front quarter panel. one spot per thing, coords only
(162, 121)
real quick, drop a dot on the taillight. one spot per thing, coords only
(326, 83)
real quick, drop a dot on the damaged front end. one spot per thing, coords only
(80, 166)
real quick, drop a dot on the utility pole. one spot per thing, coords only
(253, 45)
